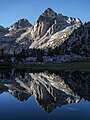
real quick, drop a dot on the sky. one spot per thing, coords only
(13, 10)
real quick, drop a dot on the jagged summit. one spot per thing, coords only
(49, 12)
(49, 23)
(49, 9)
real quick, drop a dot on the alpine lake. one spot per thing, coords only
(28, 94)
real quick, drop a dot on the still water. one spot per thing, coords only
(44, 95)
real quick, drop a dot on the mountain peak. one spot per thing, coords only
(22, 23)
(49, 9)
(49, 12)
(23, 20)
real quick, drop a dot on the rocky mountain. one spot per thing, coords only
(9, 38)
(54, 33)
(49, 29)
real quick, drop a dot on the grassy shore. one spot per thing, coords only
(74, 66)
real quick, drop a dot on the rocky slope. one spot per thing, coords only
(9, 39)
(79, 42)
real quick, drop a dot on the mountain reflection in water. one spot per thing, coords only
(50, 90)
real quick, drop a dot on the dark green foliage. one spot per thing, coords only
(5, 57)
(39, 58)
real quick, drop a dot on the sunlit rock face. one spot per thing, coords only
(51, 27)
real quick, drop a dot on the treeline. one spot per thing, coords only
(26, 53)
(4, 57)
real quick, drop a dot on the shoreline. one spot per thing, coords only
(73, 66)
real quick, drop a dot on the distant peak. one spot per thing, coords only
(22, 23)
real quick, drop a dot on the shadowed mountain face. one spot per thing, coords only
(50, 90)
